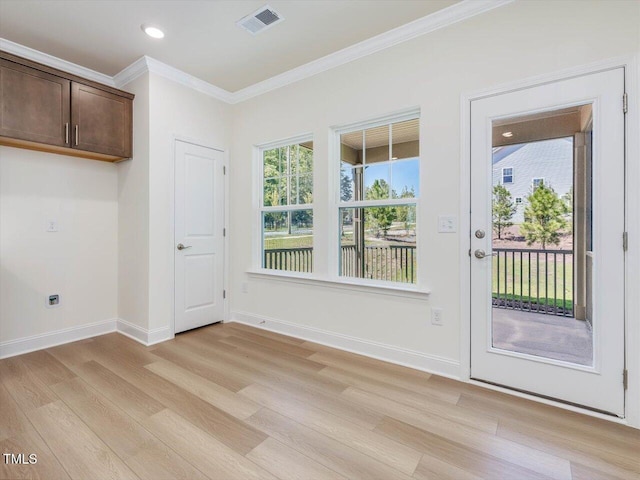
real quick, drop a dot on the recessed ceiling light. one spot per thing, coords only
(153, 32)
(507, 134)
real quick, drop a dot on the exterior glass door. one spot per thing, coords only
(547, 216)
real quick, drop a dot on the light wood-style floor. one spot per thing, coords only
(232, 402)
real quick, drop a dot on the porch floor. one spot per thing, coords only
(550, 336)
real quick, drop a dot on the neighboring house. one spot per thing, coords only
(519, 167)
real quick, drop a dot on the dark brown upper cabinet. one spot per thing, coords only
(101, 121)
(35, 105)
(42, 108)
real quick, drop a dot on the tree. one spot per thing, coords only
(288, 180)
(380, 217)
(346, 183)
(502, 208)
(406, 213)
(567, 200)
(544, 216)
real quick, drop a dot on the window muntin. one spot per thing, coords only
(507, 175)
(536, 182)
(518, 200)
(379, 191)
(286, 213)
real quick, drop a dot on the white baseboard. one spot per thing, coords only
(19, 346)
(389, 353)
(58, 337)
(143, 335)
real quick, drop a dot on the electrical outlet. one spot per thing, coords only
(245, 287)
(437, 317)
(53, 300)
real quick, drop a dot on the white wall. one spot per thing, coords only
(133, 215)
(513, 42)
(79, 262)
(176, 111)
(163, 110)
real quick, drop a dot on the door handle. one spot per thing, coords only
(479, 253)
(183, 247)
(77, 135)
(66, 133)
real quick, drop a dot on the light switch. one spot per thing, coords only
(447, 224)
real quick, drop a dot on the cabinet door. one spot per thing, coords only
(101, 121)
(34, 105)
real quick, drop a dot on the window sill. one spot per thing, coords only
(308, 279)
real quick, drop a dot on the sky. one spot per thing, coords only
(403, 172)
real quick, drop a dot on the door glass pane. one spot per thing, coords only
(541, 235)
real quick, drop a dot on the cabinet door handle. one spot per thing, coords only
(77, 135)
(66, 133)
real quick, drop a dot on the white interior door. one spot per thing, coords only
(199, 223)
(548, 317)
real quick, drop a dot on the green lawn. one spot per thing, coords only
(299, 241)
(541, 283)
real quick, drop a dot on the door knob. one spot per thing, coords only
(183, 247)
(479, 253)
(480, 233)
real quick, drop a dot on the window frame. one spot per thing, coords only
(336, 204)
(518, 202)
(511, 175)
(533, 181)
(260, 208)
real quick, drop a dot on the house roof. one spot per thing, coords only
(553, 157)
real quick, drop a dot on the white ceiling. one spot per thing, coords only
(202, 38)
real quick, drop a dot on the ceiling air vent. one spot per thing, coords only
(260, 20)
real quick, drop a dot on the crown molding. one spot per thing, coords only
(55, 62)
(171, 73)
(435, 21)
(147, 64)
(130, 73)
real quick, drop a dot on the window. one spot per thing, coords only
(507, 175)
(536, 182)
(518, 200)
(379, 191)
(286, 207)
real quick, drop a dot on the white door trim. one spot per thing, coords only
(632, 275)
(172, 215)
